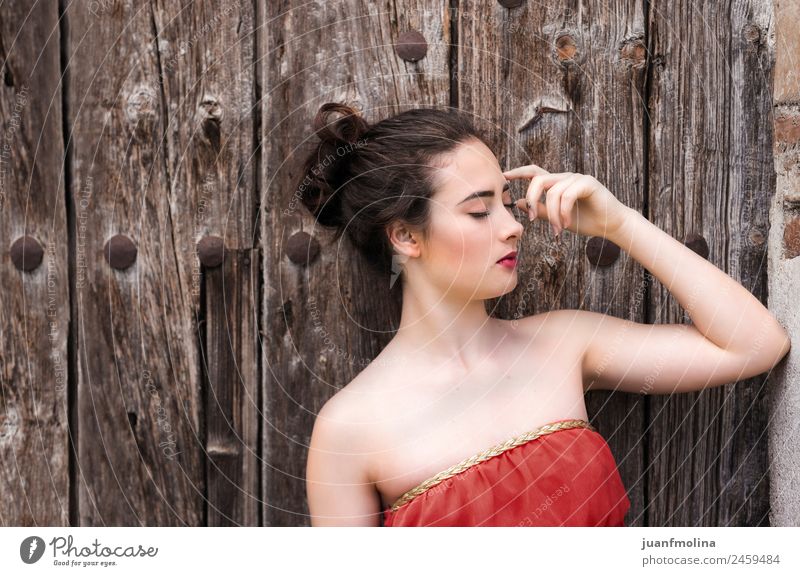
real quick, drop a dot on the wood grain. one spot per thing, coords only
(710, 172)
(140, 448)
(34, 305)
(206, 57)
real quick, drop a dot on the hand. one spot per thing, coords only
(575, 202)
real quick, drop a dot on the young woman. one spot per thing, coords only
(466, 419)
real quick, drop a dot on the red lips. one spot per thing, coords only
(510, 256)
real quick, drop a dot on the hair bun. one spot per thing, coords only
(346, 130)
(325, 169)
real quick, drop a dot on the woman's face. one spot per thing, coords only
(472, 226)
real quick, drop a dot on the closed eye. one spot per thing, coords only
(485, 214)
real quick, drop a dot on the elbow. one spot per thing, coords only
(786, 345)
(776, 350)
(765, 354)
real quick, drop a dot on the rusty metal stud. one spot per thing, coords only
(511, 3)
(633, 51)
(751, 33)
(791, 239)
(210, 251)
(120, 252)
(302, 248)
(601, 252)
(26, 253)
(565, 47)
(697, 244)
(411, 46)
(756, 237)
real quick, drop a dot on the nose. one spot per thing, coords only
(510, 226)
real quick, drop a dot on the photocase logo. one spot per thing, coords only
(397, 267)
(31, 549)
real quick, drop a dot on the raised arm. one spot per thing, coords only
(732, 336)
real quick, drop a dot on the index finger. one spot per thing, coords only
(528, 171)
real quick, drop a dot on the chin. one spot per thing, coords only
(510, 285)
(495, 289)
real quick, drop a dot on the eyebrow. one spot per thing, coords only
(484, 193)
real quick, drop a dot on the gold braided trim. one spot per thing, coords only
(486, 454)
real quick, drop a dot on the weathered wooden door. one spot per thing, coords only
(172, 320)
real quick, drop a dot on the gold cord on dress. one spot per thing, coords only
(486, 454)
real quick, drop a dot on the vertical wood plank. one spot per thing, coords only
(563, 87)
(34, 305)
(711, 173)
(206, 58)
(140, 437)
(231, 397)
(317, 337)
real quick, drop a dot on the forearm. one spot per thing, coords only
(723, 310)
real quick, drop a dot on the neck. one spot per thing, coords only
(445, 328)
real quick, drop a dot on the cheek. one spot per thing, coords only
(446, 236)
(452, 246)
(461, 245)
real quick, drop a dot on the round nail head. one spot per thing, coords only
(633, 51)
(411, 46)
(751, 33)
(120, 252)
(511, 3)
(26, 253)
(210, 251)
(601, 252)
(565, 48)
(697, 244)
(302, 248)
(757, 237)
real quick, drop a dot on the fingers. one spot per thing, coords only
(559, 200)
(568, 199)
(554, 202)
(525, 172)
(539, 184)
(541, 209)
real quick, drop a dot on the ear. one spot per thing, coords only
(404, 241)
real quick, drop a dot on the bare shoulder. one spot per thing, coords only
(347, 419)
(557, 323)
(341, 418)
(582, 325)
(567, 329)
(338, 475)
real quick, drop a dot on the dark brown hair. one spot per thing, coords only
(360, 177)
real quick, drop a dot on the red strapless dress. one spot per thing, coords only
(560, 474)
